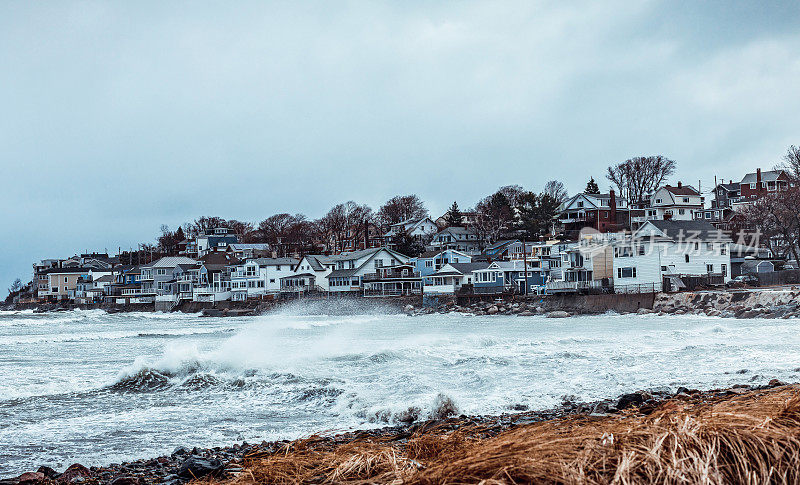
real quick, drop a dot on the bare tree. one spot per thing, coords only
(202, 224)
(555, 190)
(276, 229)
(637, 177)
(792, 163)
(401, 208)
(776, 219)
(494, 215)
(334, 226)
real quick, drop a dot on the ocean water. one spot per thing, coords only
(94, 388)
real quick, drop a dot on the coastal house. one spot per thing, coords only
(90, 288)
(430, 262)
(351, 268)
(396, 280)
(157, 278)
(666, 255)
(721, 205)
(451, 278)
(600, 212)
(257, 277)
(468, 218)
(62, 282)
(318, 265)
(583, 266)
(461, 239)
(508, 277)
(758, 184)
(678, 203)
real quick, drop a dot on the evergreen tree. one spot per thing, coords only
(453, 216)
(591, 187)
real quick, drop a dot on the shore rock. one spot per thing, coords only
(197, 467)
(558, 314)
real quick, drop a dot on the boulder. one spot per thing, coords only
(558, 314)
(125, 480)
(526, 313)
(30, 478)
(408, 308)
(776, 383)
(197, 467)
(75, 473)
(628, 400)
(644, 311)
(492, 310)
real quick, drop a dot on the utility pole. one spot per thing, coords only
(525, 265)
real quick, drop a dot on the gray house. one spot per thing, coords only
(159, 276)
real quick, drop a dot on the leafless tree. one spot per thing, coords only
(494, 215)
(776, 218)
(555, 190)
(637, 177)
(276, 230)
(401, 208)
(202, 224)
(792, 163)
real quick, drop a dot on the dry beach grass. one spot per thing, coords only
(752, 437)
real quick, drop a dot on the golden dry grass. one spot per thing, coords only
(752, 438)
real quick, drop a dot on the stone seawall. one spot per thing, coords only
(783, 303)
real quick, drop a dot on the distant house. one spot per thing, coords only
(758, 184)
(362, 237)
(62, 282)
(216, 239)
(721, 205)
(462, 239)
(508, 276)
(662, 253)
(244, 251)
(678, 203)
(397, 280)
(600, 212)
(420, 228)
(352, 268)
(467, 219)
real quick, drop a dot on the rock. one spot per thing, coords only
(644, 311)
(48, 472)
(526, 313)
(539, 309)
(75, 473)
(408, 308)
(30, 477)
(197, 467)
(125, 480)
(776, 383)
(492, 310)
(628, 400)
(558, 314)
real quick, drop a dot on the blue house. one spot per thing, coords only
(430, 262)
(508, 276)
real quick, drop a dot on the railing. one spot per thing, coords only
(573, 285)
(638, 288)
(395, 292)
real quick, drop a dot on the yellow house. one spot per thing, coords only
(62, 281)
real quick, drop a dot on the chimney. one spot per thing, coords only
(758, 180)
(680, 184)
(612, 207)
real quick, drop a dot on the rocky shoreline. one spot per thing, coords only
(184, 465)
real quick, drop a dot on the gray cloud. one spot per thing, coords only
(118, 117)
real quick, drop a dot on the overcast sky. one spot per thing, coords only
(116, 118)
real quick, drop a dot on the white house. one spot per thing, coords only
(451, 277)
(461, 239)
(678, 203)
(318, 265)
(351, 268)
(259, 276)
(670, 250)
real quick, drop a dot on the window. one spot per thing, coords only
(623, 251)
(686, 200)
(161, 271)
(278, 268)
(641, 250)
(697, 245)
(580, 203)
(686, 256)
(752, 186)
(629, 272)
(724, 269)
(723, 249)
(710, 246)
(708, 215)
(710, 268)
(378, 263)
(272, 280)
(663, 268)
(658, 201)
(66, 279)
(428, 264)
(681, 211)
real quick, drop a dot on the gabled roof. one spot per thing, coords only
(682, 190)
(769, 176)
(681, 230)
(67, 270)
(274, 261)
(242, 246)
(170, 262)
(461, 268)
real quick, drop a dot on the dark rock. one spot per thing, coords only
(125, 480)
(30, 478)
(776, 383)
(48, 472)
(76, 473)
(628, 400)
(197, 467)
